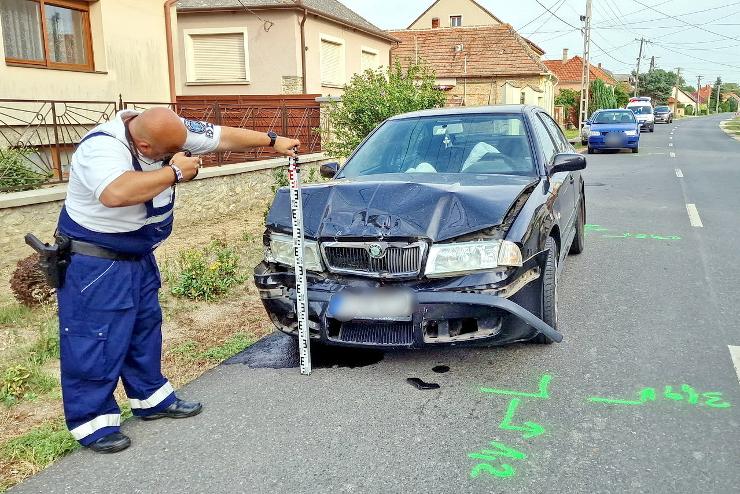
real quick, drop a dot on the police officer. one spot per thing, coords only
(117, 211)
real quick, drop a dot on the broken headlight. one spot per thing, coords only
(280, 251)
(466, 257)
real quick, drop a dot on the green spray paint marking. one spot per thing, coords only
(713, 399)
(528, 429)
(495, 455)
(648, 236)
(542, 393)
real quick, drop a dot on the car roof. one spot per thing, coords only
(611, 110)
(467, 110)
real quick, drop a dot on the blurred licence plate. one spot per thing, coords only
(613, 138)
(376, 305)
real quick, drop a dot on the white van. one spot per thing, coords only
(642, 107)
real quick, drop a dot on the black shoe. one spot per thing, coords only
(112, 443)
(178, 410)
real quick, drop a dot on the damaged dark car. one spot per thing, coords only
(446, 226)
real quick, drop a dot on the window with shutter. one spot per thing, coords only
(369, 59)
(217, 55)
(332, 62)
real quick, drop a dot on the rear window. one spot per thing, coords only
(641, 109)
(611, 117)
(662, 109)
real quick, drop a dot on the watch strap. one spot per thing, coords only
(273, 137)
(178, 172)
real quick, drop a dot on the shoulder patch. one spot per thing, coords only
(195, 126)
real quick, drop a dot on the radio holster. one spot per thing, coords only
(53, 259)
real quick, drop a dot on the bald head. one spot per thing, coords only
(157, 132)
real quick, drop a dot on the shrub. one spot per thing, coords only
(689, 109)
(19, 381)
(28, 283)
(205, 274)
(14, 171)
(374, 96)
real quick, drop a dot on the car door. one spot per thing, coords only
(562, 183)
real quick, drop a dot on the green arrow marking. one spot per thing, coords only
(542, 393)
(528, 429)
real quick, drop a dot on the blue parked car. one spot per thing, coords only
(614, 129)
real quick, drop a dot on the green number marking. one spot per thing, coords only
(647, 394)
(643, 236)
(714, 400)
(490, 455)
(542, 393)
(506, 470)
(692, 397)
(594, 228)
(528, 429)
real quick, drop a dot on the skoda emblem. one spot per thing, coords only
(376, 251)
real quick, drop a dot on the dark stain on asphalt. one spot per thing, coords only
(441, 369)
(419, 384)
(280, 351)
(595, 184)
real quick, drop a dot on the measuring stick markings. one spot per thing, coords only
(296, 206)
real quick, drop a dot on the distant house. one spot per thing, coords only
(680, 97)
(267, 47)
(569, 70)
(480, 65)
(704, 93)
(454, 13)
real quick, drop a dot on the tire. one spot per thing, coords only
(579, 241)
(549, 296)
(635, 150)
(652, 128)
(583, 143)
(590, 150)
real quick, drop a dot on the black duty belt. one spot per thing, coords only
(93, 250)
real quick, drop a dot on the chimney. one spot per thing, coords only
(565, 55)
(435, 22)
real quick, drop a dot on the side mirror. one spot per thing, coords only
(567, 162)
(328, 170)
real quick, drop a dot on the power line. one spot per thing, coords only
(539, 16)
(547, 18)
(685, 22)
(556, 15)
(647, 7)
(697, 58)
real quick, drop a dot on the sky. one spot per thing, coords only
(703, 38)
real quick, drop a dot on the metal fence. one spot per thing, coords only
(38, 137)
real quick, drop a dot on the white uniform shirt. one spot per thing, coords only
(101, 159)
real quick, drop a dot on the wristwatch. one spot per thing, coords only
(273, 137)
(178, 172)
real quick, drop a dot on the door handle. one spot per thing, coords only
(571, 179)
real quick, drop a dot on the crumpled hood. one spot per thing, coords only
(433, 206)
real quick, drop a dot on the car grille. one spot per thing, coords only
(377, 333)
(397, 259)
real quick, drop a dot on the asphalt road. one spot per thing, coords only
(652, 302)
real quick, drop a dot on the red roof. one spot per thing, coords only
(704, 93)
(480, 51)
(570, 71)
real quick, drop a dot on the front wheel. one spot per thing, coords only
(590, 150)
(579, 240)
(635, 150)
(549, 313)
(652, 128)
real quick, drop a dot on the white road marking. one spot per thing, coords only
(679, 173)
(735, 355)
(672, 154)
(670, 137)
(670, 144)
(694, 216)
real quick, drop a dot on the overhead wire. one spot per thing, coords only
(686, 22)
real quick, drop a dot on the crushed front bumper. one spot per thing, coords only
(466, 310)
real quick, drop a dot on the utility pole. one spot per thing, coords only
(652, 64)
(674, 91)
(698, 94)
(716, 106)
(639, 59)
(586, 69)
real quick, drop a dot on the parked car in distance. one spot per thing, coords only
(663, 114)
(444, 227)
(614, 129)
(643, 110)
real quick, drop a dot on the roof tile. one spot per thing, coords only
(570, 71)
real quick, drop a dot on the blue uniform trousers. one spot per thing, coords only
(110, 328)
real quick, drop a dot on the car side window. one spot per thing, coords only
(555, 132)
(546, 143)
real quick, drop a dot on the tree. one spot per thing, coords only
(622, 94)
(374, 96)
(568, 98)
(713, 95)
(657, 84)
(602, 96)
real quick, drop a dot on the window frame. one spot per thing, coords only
(369, 51)
(190, 75)
(84, 9)
(552, 126)
(456, 17)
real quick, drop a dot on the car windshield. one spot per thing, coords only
(488, 143)
(662, 109)
(612, 117)
(641, 110)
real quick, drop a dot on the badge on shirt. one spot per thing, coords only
(197, 127)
